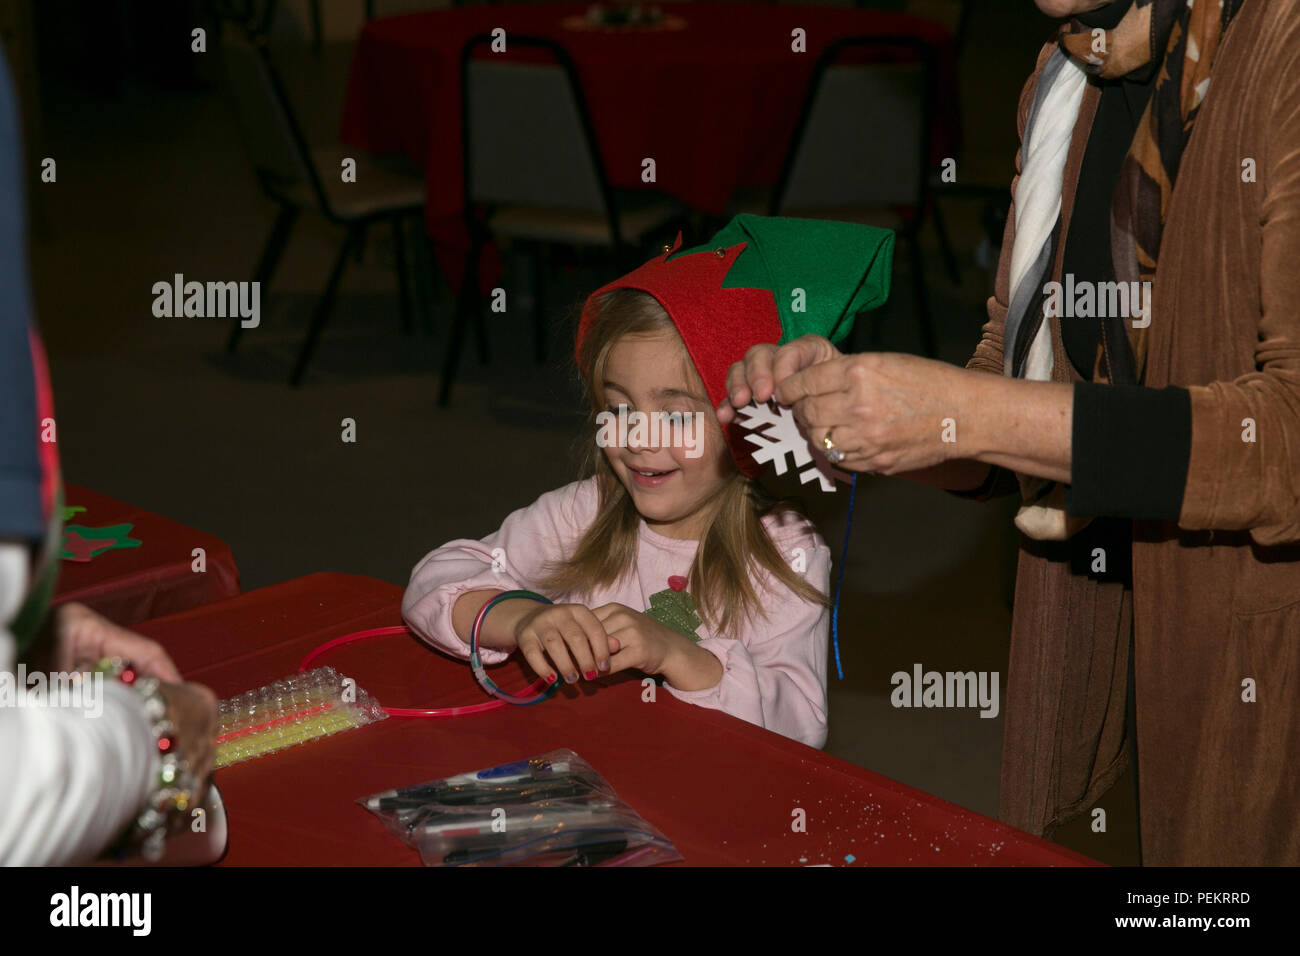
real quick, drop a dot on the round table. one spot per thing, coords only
(157, 577)
(715, 100)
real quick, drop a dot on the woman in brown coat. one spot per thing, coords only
(1139, 380)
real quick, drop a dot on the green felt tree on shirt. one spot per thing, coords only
(674, 608)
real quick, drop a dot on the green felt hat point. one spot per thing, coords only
(822, 272)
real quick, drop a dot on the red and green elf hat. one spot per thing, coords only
(761, 279)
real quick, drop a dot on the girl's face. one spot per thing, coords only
(673, 490)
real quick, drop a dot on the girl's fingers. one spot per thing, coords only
(608, 614)
(531, 646)
(597, 639)
(626, 659)
(558, 652)
(580, 649)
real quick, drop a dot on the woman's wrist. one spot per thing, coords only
(981, 399)
(1024, 426)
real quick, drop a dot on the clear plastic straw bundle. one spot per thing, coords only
(289, 712)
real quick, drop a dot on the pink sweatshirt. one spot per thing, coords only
(774, 671)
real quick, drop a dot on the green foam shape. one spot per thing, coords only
(675, 610)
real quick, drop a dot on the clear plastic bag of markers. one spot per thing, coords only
(552, 810)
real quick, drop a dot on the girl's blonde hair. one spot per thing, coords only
(734, 546)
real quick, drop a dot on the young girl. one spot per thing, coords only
(669, 559)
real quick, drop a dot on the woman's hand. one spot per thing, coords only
(766, 366)
(892, 414)
(652, 648)
(192, 709)
(888, 413)
(899, 414)
(570, 635)
(82, 637)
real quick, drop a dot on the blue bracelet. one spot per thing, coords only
(476, 664)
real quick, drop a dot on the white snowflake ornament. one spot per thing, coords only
(777, 435)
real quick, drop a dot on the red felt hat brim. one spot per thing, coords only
(717, 326)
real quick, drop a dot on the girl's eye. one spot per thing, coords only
(615, 409)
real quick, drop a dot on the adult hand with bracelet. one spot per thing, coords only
(86, 640)
(192, 710)
(183, 720)
(82, 637)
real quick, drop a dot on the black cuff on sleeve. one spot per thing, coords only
(999, 482)
(1129, 451)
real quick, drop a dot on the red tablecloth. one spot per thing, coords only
(715, 103)
(721, 789)
(127, 585)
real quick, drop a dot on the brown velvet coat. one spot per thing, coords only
(1216, 597)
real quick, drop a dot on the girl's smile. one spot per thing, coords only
(651, 479)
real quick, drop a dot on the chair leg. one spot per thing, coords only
(540, 264)
(945, 244)
(267, 262)
(480, 336)
(425, 276)
(324, 306)
(480, 324)
(922, 299)
(467, 308)
(399, 242)
(317, 34)
(361, 245)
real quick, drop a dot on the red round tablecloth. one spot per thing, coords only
(127, 585)
(722, 790)
(715, 102)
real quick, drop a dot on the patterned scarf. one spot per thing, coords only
(1179, 38)
(1188, 35)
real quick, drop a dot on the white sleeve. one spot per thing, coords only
(73, 774)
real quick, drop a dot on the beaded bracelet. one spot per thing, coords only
(175, 787)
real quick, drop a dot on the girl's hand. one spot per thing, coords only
(570, 635)
(642, 642)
